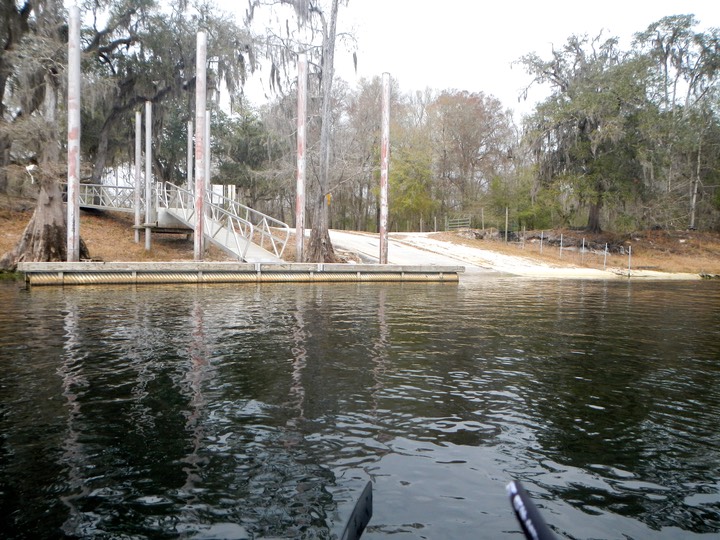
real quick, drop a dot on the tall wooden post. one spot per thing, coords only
(73, 130)
(301, 139)
(200, 109)
(384, 161)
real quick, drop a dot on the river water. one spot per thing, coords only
(246, 411)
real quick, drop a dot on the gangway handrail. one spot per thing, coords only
(265, 226)
(240, 224)
(217, 221)
(103, 196)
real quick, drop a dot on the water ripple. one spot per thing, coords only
(252, 411)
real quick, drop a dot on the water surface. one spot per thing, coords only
(246, 411)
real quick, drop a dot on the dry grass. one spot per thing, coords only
(110, 237)
(12, 225)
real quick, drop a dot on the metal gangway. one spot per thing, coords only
(239, 230)
(107, 197)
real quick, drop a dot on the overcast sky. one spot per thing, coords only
(471, 44)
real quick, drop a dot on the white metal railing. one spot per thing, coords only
(103, 196)
(232, 225)
(228, 222)
(229, 231)
(267, 230)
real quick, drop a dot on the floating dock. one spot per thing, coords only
(105, 273)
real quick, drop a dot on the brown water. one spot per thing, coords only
(259, 411)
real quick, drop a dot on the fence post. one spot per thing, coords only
(561, 245)
(542, 234)
(629, 259)
(605, 258)
(507, 221)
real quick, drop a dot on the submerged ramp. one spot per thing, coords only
(94, 273)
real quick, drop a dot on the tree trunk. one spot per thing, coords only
(695, 186)
(593, 225)
(15, 21)
(4, 162)
(320, 247)
(100, 158)
(45, 237)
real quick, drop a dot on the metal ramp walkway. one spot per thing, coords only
(240, 231)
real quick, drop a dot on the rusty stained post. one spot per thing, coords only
(208, 182)
(384, 160)
(200, 107)
(148, 173)
(190, 156)
(138, 174)
(73, 131)
(301, 166)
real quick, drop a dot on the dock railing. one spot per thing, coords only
(103, 196)
(229, 222)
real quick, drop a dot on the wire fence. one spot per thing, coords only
(575, 250)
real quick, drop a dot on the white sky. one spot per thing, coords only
(470, 44)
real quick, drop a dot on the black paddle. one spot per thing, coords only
(360, 516)
(532, 523)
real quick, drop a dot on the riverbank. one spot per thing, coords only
(668, 256)
(653, 254)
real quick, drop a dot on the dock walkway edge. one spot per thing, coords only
(106, 273)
